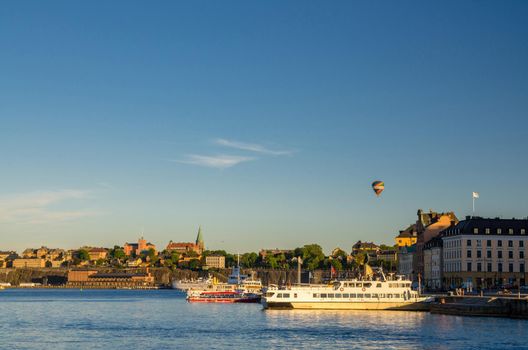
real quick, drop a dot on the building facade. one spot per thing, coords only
(485, 253)
(29, 263)
(137, 248)
(215, 261)
(185, 247)
(406, 258)
(433, 264)
(407, 237)
(428, 226)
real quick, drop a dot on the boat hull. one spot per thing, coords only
(406, 306)
(223, 300)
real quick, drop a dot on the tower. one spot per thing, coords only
(199, 241)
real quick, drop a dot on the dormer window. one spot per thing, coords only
(487, 231)
(499, 231)
(523, 231)
(475, 230)
(510, 231)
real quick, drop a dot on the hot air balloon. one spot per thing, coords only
(378, 187)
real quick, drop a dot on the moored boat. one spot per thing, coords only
(222, 297)
(368, 294)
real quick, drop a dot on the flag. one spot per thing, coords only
(332, 271)
(475, 194)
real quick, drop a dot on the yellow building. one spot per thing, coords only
(407, 237)
(31, 263)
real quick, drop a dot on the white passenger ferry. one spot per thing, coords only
(372, 294)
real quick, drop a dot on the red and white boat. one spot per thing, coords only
(221, 297)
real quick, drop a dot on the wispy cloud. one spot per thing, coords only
(252, 147)
(220, 161)
(36, 207)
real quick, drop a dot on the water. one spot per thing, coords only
(162, 319)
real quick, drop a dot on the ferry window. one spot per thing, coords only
(352, 295)
(323, 295)
(375, 295)
(382, 295)
(279, 295)
(367, 285)
(316, 295)
(389, 295)
(378, 285)
(330, 295)
(367, 295)
(338, 295)
(392, 285)
(286, 295)
(401, 285)
(360, 296)
(359, 285)
(346, 295)
(396, 295)
(295, 295)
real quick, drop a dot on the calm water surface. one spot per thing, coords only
(162, 319)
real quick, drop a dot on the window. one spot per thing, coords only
(510, 243)
(346, 295)
(489, 267)
(479, 254)
(479, 267)
(286, 295)
(488, 254)
(499, 254)
(510, 267)
(330, 295)
(521, 254)
(468, 266)
(510, 254)
(523, 231)
(360, 296)
(499, 231)
(475, 230)
(499, 267)
(521, 243)
(316, 295)
(279, 295)
(487, 231)
(521, 267)
(468, 253)
(367, 296)
(499, 243)
(338, 295)
(510, 231)
(378, 285)
(375, 296)
(479, 243)
(469, 243)
(323, 295)
(488, 243)
(295, 295)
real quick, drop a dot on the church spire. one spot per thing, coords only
(199, 239)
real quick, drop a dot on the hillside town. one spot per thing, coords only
(439, 251)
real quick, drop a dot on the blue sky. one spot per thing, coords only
(264, 122)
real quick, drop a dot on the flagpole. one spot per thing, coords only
(473, 204)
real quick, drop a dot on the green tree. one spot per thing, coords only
(117, 253)
(271, 262)
(336, 263)
(249, 260)
(312, 255)
(82, 255)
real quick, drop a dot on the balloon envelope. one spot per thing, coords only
(378, 187)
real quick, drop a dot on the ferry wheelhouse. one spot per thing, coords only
(373, 294)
